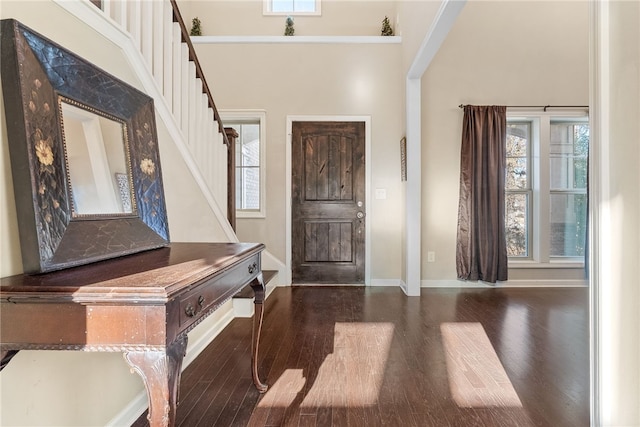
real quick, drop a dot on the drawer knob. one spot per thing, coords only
(200, 300)
(189, 310)
(252, 268)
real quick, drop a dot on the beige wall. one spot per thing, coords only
(414, 18)
(83, 43)
(510, 53)
(55, 387)
(539, 67)
(296, 79)
(244, 17)
(75, 388)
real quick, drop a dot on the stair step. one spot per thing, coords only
(247, 292)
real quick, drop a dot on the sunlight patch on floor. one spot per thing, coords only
(283, 392)
(477, 379)
(350, 376)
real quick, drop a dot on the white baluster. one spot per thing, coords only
(178, 77)
(212, 128)
(202, 131)
(107, 6)
(134, 20)
(147, 25)
(119, 13)
(196, 139)
(157, 43)
(222, 174)
(194, 99)
(215, 163)
(167, 54)
(184, 92)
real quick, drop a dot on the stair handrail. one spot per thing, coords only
(186, 38)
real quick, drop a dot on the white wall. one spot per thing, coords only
(498, 52)
(75, 388)
(619, 178)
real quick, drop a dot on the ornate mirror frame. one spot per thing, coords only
(36, 73)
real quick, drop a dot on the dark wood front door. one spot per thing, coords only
(328, 202)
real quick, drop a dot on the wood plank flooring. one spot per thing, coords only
(354, 356)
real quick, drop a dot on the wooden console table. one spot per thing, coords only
(142, 305)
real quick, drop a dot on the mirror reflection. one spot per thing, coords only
(97, 161)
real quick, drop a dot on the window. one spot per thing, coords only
(249, 161)
(568, 194)
(546, 187)
(518, 190)
(291, 7)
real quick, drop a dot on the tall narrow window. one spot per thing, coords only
(568, 194)
(518, 189)
(249, 161)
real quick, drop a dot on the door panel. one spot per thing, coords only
(328, 198)
(328, 241)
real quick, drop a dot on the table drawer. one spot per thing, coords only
(211, 293)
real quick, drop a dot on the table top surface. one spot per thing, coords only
(157, 273)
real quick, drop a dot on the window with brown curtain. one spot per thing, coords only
(481, 250)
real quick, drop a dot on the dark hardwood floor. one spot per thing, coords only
(353, 356)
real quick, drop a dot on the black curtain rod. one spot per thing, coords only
(544, 107)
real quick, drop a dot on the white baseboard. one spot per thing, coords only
(270, 262)
(244, 307)
(508, 284)
(390, 282)
(196, 347)
(404, 287)
(131, 412)
(385, 282)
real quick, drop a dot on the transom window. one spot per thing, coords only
(291, 7)
(546, 187)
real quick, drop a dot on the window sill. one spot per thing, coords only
(293, 14)
(250, 215)
(553, 264)
(296, 39)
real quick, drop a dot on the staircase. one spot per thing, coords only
(159, 33)
(157, 43)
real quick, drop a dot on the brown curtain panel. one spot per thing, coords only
(481, 251)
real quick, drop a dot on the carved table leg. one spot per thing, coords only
(259, 293)
(160, 372)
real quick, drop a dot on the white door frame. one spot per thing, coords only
(367, 190)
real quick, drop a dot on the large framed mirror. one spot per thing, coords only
(84, 156)
(96, 147)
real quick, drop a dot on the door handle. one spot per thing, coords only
(360, 215)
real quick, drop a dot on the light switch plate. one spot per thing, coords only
(381, 193)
